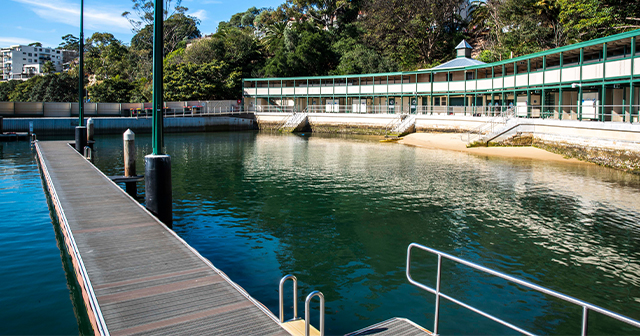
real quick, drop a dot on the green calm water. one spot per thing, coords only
(339, 213)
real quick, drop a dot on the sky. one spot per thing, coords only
(46, 21)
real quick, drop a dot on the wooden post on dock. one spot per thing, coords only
(130, 161)
(89, 130)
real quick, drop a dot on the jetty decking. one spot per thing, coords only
(137, 276)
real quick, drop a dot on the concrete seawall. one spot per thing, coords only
(116, 125)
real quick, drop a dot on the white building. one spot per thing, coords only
(23, 62)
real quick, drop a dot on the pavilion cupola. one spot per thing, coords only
(464, 49)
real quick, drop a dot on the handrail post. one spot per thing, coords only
(295, 296)
(585, 320)
(437, 313)
(307, 314)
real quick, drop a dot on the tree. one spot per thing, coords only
(326, 13)
(306, 52)
(22, 91)
(588, 19)
(61, 87)
(106, 56)
(178, 26)
(208, 81)
(69, 42)
(48, 68)
(362, 60)
(35, 44)
(413, 32)
(6, 88)
(112, 90)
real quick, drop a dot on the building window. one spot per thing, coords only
(469, 75)
(436, 101)
(29, 54)
(30, 60)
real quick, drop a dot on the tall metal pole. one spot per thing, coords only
(81, 130)
(81, 64)
(157, 181)
(158, 50)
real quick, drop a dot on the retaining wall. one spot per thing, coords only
(40, 109)
(117, 125)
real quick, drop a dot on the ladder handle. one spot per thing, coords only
(295, 296)
(306, 312)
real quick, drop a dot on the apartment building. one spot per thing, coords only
(20, 62)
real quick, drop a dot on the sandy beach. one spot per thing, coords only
(452, 141)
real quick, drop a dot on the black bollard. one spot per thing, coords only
(81, 138)
(157, 185)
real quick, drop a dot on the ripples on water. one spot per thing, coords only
(339, 214)
(35, 296)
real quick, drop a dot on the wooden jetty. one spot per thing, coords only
(137, 276)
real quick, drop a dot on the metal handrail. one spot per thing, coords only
(295, 296)
(307, 314)
(586, 307)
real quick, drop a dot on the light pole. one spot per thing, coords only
(81, 130)
(158, 164)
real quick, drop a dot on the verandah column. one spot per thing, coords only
(631, 89)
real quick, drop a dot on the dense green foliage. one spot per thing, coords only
(319, 37)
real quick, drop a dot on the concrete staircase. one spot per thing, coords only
(296, 123)
(405, 124)
(493, 128)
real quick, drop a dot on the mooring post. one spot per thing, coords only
(157, 169)
(89, 130)
(130, 161)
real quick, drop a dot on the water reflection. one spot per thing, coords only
(339, 213)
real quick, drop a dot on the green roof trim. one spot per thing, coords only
(574, 46)
(562, 49)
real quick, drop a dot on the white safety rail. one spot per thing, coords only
(588, 111)
(293, 122)
(492, 126)
(407, 122)
(586, 307)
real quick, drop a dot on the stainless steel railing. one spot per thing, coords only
(307, 314)
(586, 307)
(307, 303)
(295, 296)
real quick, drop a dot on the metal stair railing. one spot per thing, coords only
(491, 125)
(295, 119)
(307, 302)
(395, 122)
(404, 125)
(586, 307)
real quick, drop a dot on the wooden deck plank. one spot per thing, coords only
(144, 278)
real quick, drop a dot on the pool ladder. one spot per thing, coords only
(294, 325)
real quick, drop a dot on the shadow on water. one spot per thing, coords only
(340, 211)
(75, 293)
